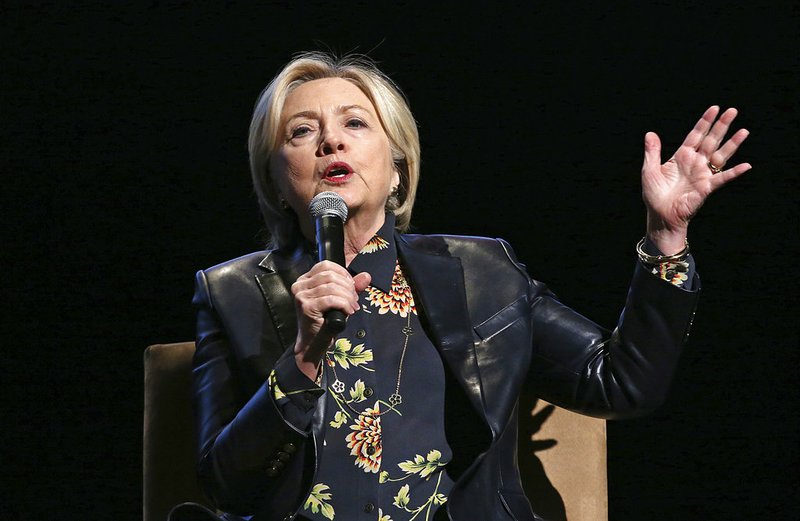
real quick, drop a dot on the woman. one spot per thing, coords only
(410, 412)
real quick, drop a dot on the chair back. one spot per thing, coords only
(169, 475)
(562, 460)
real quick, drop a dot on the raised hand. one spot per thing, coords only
(674, 191)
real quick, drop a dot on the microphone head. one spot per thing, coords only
(328, 203)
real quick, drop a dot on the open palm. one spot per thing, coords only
(675, 190)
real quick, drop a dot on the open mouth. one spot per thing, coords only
(338, 172)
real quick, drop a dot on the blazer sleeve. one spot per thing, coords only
(611, 374)
(249, 456)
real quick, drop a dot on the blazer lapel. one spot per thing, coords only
(438, 283)
(275, 283)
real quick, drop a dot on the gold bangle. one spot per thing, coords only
(653, 260)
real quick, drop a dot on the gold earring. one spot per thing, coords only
(393, 201)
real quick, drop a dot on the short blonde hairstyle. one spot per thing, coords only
(392, 109)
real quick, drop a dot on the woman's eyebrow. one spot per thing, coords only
(313, 114)
(348, 108)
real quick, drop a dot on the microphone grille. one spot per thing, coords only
(328, 203)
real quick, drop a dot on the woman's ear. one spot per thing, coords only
(392, 200)
(282, 202)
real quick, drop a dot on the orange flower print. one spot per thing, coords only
(399, 300)
(674, 272)
(375, 244)
(365, 440)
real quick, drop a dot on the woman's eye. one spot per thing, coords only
(300, 131)
(355, 123)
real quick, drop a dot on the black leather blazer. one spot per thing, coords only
(494, 328)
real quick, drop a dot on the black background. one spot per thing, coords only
(124, 169)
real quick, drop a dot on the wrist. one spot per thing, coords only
(669, 240)
(668, 244)
(309, 355)
(308, 367)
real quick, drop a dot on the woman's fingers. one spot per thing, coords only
(701, 128)
(652, 151)
(725, 176)
(706, 141)
(327, 286)
(362, 280)
(315, 301)
(726, 151)
(712, 140)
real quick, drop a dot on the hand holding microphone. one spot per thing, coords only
(329, 212)
(326, 294)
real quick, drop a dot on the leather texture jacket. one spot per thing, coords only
(494, 327)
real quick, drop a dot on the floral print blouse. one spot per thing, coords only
(385, 453)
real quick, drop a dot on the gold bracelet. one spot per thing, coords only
(320, 369)
(653, 260)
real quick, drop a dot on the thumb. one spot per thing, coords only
(652, 151)
(362, 280)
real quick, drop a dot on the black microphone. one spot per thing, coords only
(329, 212)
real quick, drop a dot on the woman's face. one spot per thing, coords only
(330, 139)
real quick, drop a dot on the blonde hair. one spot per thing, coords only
(392, 110)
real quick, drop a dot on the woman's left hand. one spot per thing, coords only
(674, 191)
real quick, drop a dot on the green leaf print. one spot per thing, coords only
(423, 466)
(327, 510)
(357, 392)
(317, 501)
(402, 498)
(339, 419)
(345, 354)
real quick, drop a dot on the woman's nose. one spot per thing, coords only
(331, 142)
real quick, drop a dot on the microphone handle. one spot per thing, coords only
(330, 246)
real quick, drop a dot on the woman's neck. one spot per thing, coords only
(357, 233)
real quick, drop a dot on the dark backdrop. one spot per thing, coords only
(125, 170)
